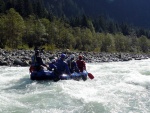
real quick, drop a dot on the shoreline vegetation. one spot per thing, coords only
(80, 34)
(23, 57)
(106, 41)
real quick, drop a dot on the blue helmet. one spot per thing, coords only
(63, 56)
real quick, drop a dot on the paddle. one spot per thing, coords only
(90, 76)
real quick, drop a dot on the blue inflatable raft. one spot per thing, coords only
(50, 75)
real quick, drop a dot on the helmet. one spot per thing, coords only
(80, 57)
(72, 56)
(55, 58)
(37, 52)
(63, 56)
(53, 61)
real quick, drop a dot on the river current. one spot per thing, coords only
(118, 87)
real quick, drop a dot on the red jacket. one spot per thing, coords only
(81, 65)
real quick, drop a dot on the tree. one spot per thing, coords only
(39, 9)
(14, 28)
(144, 44)
(77, 36)
(97, 41)
(2, 6)
(3, 37)
(108, 43)
(28, 8)
(121, 43)
(126, 29)
(20, 7)
(112, 27)
(34, 31)
(86, 39)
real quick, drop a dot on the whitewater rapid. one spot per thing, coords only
(118, 87)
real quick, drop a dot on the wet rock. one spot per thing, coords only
(18, 62)
(3, 63)
(23, 57)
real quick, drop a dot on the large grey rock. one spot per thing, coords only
(18, 62)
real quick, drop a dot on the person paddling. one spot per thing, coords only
(37, 61)
(82, 66)
(72, 64)
(62, 67)
(81, 63)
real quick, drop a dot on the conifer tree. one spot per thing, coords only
(28, 5)
(2, 6)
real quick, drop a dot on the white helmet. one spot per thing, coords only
(53, 60)
(72, 56)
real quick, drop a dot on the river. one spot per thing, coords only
(118, 87)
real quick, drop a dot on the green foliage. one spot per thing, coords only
(2, 32)
(134, 44)
(121, 43)
(86, 39)
(79, 34)
(49, 47)
(97, 41)
(144, 44)
(12, 28)
(35, 31)
(24, 47)
(108, 43)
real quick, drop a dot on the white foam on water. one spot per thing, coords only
(118, 87)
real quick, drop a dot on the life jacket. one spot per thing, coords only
(81, 65)
(37, 61)
(62, 67)
(72, 66)
(34, 61)
(52, 66)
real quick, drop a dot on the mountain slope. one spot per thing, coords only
(136, 12)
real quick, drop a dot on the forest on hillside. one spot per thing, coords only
(28, 23)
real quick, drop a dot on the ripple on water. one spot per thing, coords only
(118, 87)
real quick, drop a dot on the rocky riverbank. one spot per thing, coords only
(23, 57)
